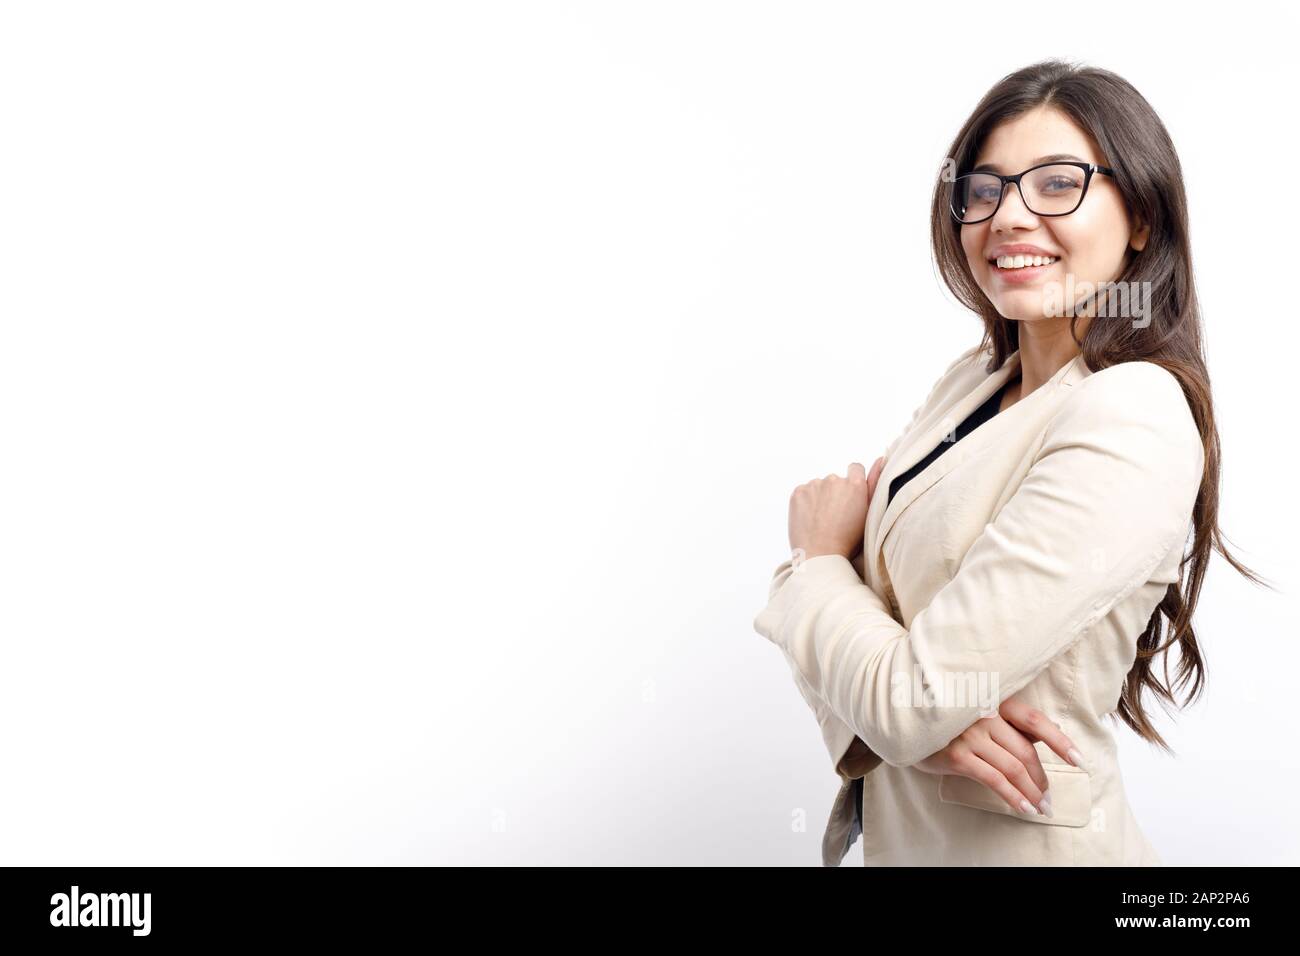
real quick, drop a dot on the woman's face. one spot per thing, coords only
(1090, 245)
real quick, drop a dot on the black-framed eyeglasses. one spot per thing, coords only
(1051, 189)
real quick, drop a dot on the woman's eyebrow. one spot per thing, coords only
(1054, 158)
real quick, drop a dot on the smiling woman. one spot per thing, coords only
(1034, 537)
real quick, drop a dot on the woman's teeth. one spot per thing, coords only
(1019, 262)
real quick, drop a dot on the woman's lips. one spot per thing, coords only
(1023, 275)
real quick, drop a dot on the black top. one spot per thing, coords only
(968, 425)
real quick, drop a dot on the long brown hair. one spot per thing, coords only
(1135, 143)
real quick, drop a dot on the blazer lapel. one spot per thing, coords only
(920, 443)
(883, 513)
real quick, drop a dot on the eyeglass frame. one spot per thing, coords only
(1088, 170)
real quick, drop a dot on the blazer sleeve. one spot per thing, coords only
(1110, 492)
(848, 761)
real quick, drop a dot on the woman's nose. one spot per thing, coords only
(1013, 211)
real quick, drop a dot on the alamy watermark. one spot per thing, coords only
(101, 909)
(1119, 300)
(978, 689)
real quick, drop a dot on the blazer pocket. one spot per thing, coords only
(1069, 787)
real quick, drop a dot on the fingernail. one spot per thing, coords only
(1076, 758)
(1046, 805)
(1027, 807)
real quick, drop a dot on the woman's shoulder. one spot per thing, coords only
(970, 361)
(975, 357)
(959, 376)
(1135, 409)
(1139, 389)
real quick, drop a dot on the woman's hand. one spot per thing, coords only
(828, 515)
(999, 753)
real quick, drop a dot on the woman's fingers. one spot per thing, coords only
(873, 476)
(828, 515)
(1014, 768)
(1036, 725)
(978, 768)
(1021, 747)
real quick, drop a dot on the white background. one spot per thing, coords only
(399, 404)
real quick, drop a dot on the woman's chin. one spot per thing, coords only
(1018, 309)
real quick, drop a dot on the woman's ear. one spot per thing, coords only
(1138, 240)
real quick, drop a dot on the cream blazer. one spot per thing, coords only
(1026, 560)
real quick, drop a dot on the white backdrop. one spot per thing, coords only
(399, 405)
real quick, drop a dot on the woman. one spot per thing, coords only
(964, 618)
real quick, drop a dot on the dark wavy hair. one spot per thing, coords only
(1135, 143)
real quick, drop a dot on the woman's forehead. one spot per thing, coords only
(1022, 141)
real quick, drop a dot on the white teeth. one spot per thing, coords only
(1020, 262)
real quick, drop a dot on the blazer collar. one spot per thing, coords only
(938, 422)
